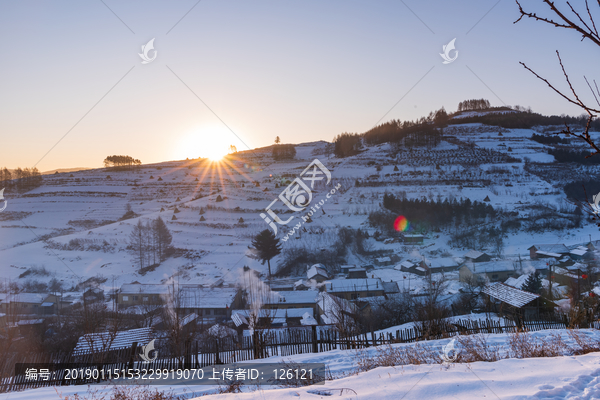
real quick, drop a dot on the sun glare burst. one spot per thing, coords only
(208, 143)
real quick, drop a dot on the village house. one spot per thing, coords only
(353, 289)
(357, 273)
(413, 238)
(475, 256)
(210, 303)
(32, 303)
(317, 273)
(213, 304)
(383, 261)
(390, 288)
(282, 286)
(581, 253)
(548, 251)
(272, 318)
(495, 271)
(335, 310)
(134, 294)
(512, 302)
(439, 265)
(290, 300)
(346, 268)
(105, 341)
(413, 267)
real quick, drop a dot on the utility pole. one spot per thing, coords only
(578, 284)
(550, 277)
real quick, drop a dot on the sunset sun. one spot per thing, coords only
(206, 143)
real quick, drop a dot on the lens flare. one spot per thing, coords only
(401, 224)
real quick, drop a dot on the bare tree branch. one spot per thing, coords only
(567, 23)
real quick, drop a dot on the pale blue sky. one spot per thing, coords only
(303, 71)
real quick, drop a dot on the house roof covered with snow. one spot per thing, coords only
(278, 315)
(317, 270)
(146, 288)
(579, 251)
(406, 264)
(548, 254)
(294, 297)
(473, 254)
(36, 298)
(510, 295)
(441, 263)
(353, 285)
(576, 267)
(390, 287)
(206, 297)
(491, 266)
(332, 306)
(550, 248)
(93, 342)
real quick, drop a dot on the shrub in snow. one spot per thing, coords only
(176, 210)
(174, 218)
(202, 219)
(159, 178)
(219, 198)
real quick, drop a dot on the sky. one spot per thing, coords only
(73, 88)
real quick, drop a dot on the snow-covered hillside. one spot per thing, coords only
(71, 224)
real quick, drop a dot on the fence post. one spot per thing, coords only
(132, 354)
(255, 344)
(315, 348)
(187, 363)
(217, 358)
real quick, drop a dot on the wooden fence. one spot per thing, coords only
(262, 344)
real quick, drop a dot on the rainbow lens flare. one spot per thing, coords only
(401, 224)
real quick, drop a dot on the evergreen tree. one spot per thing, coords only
(533, 284)
(267, 246)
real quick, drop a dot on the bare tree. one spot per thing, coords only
(179, 331)
(586, 27)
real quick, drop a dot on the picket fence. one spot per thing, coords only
(262, 344)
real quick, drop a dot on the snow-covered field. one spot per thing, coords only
(87, 206)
